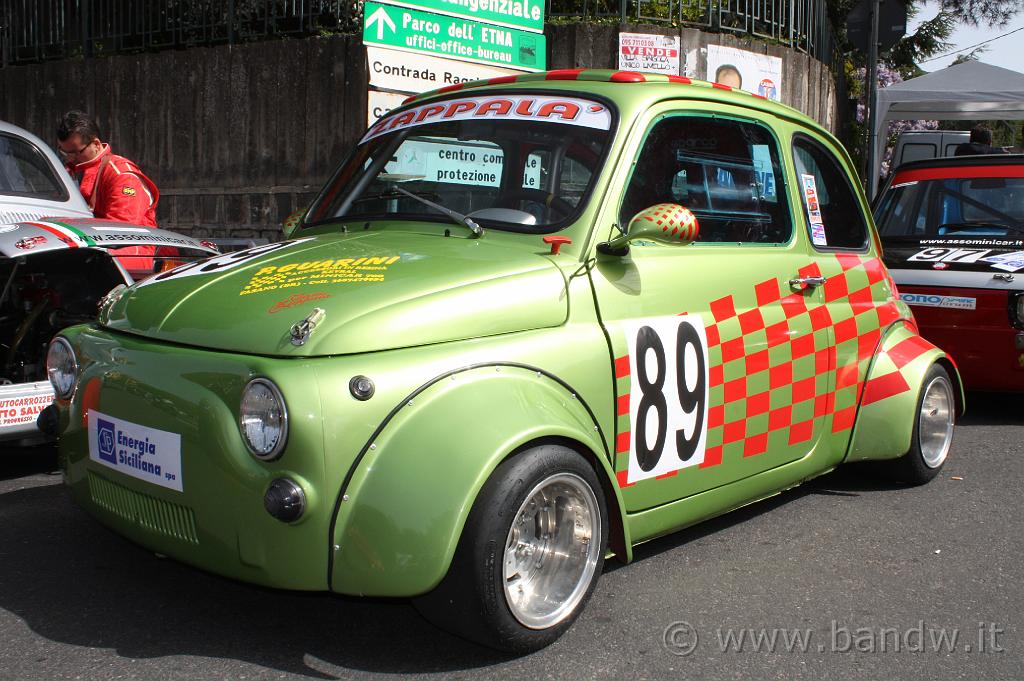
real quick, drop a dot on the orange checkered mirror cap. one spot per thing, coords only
(665, 223)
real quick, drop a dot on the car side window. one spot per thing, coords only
(727, 172)
(833, 213)
(24, 171)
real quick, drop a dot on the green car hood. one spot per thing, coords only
(378, 290)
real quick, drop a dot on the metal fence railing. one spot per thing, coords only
(39, 30)
(799, 24)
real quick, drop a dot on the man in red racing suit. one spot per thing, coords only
(113, 186)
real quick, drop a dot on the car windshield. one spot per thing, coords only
(953, 207)
(520, 162)
(24, 171)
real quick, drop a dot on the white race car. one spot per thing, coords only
(56, 263)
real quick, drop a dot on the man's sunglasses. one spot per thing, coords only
(71, 154)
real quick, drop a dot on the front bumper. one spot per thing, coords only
(217, 520)
(988, 350)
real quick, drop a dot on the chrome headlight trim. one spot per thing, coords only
(247, 418)
(62, 378)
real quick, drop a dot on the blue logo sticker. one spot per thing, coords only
(105, 438)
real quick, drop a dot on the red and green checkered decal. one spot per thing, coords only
(755, 402)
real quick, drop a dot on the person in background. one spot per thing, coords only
(981, 143)
(727, 74)
(113, 186)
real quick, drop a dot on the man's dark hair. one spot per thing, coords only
(981, 135)
(77, 122)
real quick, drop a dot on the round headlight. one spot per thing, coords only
(263, 419)
(61, 367)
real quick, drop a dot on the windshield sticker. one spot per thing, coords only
(220, 263)
(813, 210)
(475, 163)
(546, 108)
(319, 273)
(1011, 262)
(959, 255)
(931, 300)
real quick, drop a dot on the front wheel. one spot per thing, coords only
(933, 430)
(529, 556)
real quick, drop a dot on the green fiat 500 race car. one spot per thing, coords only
(528, 324)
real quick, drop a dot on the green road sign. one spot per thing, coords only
(415, 31)
(525, 14)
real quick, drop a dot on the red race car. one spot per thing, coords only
(952, 230)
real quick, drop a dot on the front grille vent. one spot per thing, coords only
(169, 519)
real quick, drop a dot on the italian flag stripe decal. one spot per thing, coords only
(66, 233)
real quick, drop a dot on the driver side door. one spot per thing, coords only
(722, 357)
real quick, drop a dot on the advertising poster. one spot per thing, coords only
(649, 52)
(760, 74)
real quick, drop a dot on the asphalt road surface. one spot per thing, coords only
(842, 578)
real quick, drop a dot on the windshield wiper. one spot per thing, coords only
(458, 218)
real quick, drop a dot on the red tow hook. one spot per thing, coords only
(557, 242)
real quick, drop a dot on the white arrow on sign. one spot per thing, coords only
(380, 17)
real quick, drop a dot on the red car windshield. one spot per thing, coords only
(954, 202)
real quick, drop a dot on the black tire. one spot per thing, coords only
(473, 600)
(936, 410)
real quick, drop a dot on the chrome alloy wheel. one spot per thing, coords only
(552, 551)
(935, 422)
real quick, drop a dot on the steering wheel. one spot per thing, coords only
(538, 196)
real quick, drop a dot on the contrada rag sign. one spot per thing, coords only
(648, 52)
(757, 73)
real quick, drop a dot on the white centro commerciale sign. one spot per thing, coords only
(401, 71)
(649, 52)
(468, 163)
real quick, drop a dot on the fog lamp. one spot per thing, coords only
(285, 500)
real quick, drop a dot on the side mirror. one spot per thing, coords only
(663, 223)
(292, 222)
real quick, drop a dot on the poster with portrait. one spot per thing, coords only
(760, 74)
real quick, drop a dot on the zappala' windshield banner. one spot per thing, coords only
(569, 110)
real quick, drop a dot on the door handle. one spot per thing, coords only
(801, 282)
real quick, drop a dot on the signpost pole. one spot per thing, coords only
(872, 97)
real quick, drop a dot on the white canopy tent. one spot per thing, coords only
(968, 91)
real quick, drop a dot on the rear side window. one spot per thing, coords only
(833, 212)
(727, 172)
(25, 171)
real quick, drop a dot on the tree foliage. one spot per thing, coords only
(983, 12)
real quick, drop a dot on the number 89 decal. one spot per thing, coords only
(668, 361)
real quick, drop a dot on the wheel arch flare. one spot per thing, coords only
(889, 396)
(402, 506)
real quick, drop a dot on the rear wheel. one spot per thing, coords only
(529, 556)
(933, 430)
